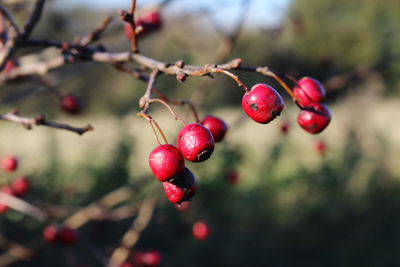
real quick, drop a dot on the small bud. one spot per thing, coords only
(180, 64)
(181, 77)
(142, 102)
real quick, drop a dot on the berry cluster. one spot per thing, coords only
(195, 143)
(19, 187)
(64, 234)
(263, 104)
(314, 116)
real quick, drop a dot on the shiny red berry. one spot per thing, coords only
(200, 230)
(217, 127)
(285, 128)
(71, 104)
(6, 190)
(9, 163)
(68, 235)
(181, 188)
(20, 186)
(314, 118)
(50, 233)
(320, 147)
(151, 258)
(262, 103)
(152, 19)
(195, 142)
(308, 90)
(166, 161)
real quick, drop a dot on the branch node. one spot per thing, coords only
(181, 77)
(180, 64)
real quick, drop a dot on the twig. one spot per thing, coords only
(130, 238)
(176, 116)
(22, 206)
(40, 120)
(32, 20)
(96, 34)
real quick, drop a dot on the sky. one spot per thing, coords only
(261, 12)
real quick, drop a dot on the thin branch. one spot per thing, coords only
(22, 206)
(96, 34)
(176, 116)
(33, 19)
(8, 17)
(131, 237)
(40, 120)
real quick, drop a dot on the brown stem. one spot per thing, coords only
(147, 95)
(133, 27)
(178, 102)
(283, 84)
(233, 76)
(149, 119)
(176, 116)
(96, 34)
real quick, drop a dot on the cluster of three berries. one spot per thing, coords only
(195, 143)
(263, 104)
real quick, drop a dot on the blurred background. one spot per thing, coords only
(271, 195)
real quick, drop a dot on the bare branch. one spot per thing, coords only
(33, 19)
(40, 120)
(22, 206)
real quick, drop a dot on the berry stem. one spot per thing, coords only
(133, 27)
(150, 120)
(282, 83)
(176, 116)
(178, 102)
(233, 76)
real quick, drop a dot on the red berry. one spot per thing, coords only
(152, 19)
(195, 142)
(50, 233)
(216, 126)
(285, 127)
(166, 161)
(232, 177)
(200, 230)
(183, 207)
(151, 258)
(320, 147)
(262, 103)
(314, 118)
(128, 30)
(9, 163)
(308, 90)
(71, 104)
(20, 186)
(68, 235)
(6, 190)
(127, 264)
(181, 188)
(9, 66)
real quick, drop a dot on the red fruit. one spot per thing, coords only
(152, 19)
(314, 118)
(181, 188)
(262, 103)
(285, 127)
(216, 126)
(128, 30)
(127, 264)
(151, 258)
(232, 177)
(166, 161)
(6, 190)
(195, 142)
(200, 230)
(20, 186)
(50, 233)
(9, 163)
(71, 104)
(320, 147)
(9, 66)
(308, 90)
(183, 207)
(68, 235)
